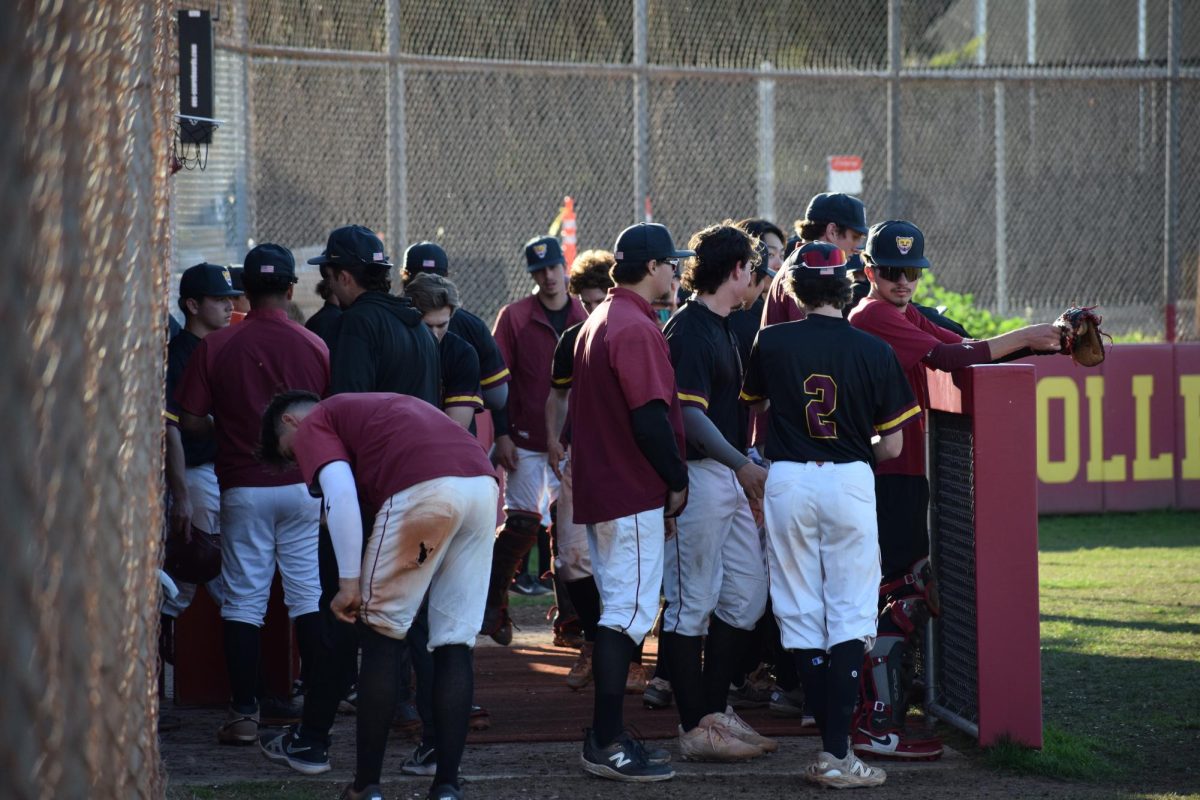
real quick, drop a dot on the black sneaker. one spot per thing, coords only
(284, 748)
(623, 760)
(527, 585)
(445, 792)
(423, 761)
(372, 792)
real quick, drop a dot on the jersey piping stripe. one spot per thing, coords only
(694, 398)
(504, 373)
(900, 420)
(563, 381)
(467, 399)
(750, 398)
(170, 416)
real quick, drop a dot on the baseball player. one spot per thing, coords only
(837, 218)
(527, 332)
(429, 258)
(714, 571)
(746, 321)
(431, 492)
(629, 476)
(382, 345)
(205, 297)
(894, 259)
(830, 389)
(436, 298)
(267, 517)
(324, 323)
(590, 282)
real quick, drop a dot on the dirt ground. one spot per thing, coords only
(198, 767)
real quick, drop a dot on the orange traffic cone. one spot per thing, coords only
(568, 230)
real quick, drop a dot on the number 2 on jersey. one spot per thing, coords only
(823, 391)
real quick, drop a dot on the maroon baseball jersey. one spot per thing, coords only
(233, 375)
(780, 306)
(912, 337)
(527, 340)
(391, 441)
(622, 362)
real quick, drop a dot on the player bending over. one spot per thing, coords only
(434, 517)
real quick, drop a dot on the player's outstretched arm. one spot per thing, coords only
(1039, 338)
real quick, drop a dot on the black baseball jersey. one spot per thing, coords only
(562, 368)
(196, 451)
(831, 387)
(383, 345)
(708, 370)
(325, 323)
(492, 369)
(460, 373)
(745, 324)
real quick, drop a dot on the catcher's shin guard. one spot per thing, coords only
(514, 541)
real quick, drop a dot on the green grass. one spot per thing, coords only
(1120, 611)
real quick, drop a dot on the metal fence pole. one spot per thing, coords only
(766, 146)
(243, 225)
(1001, 201)
(894, 210)
(397, 147)
(641, 111)
(1171, 168)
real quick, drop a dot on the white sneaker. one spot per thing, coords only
(742, 730)
(843, 773)
(711, 740)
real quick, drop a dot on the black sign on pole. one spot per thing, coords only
(195, 76)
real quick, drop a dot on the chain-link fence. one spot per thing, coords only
(84, 293)
(1032, 141)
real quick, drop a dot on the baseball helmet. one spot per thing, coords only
(198, 561)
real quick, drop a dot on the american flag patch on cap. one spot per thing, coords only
(267, 269)
(377, 256)
(429, 262)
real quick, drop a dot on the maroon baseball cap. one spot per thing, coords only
(820, 259)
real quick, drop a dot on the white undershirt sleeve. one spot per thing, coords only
(340, 501)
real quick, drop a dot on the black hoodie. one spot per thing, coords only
(383, 346)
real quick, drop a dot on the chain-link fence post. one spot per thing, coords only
(1001, 200)
(397, 146)
(641, 111)
(242, 224)
(766, 145)
(1171, 167)
(894, 210)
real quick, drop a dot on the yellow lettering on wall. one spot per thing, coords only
(1064, 471)
(1145, 466)
(1099, 468)
(1189, 390)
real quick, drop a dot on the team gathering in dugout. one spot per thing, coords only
(672, 424)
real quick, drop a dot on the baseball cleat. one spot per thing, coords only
(239, 728)
(625, 759)
(712, 740)
(894, 745)
(843, 773)
(658, 694)
(284, 748)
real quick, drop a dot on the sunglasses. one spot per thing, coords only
(892, 274)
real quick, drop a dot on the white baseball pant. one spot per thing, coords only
(715, 563)
(627, 562)
(532, 486)
(574, 560)
(823, 551)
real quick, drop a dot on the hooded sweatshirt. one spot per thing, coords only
(383, 346)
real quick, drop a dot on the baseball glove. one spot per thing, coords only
(1082, 339)
(197, 561)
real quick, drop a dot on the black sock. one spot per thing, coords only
(241, 660)
(786, 676)
(610, 668)
(331, 674)
(812, 667)
(638, 652)
(682, 654)
(376, 703)
(422, 662)
(844, 676)
(543, 552)
(723, 650)
(586, 599)
(453, 687)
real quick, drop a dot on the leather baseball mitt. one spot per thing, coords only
(197, 561)
(1082, 339)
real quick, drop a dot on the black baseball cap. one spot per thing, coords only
(236, 273)
(269, 261)
(764, 260)
(353, 244)
(543, 252)
(843, 209)
(896, 243)
(426, 257)
(207, 280)
(647, 241)
(820, 259)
